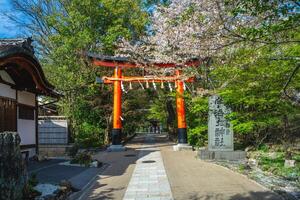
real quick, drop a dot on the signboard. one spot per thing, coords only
(220, 132)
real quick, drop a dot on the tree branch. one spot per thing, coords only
(294, 99)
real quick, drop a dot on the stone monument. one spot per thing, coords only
(220, 133)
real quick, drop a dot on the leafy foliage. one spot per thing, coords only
(276, 165)
(73, 150)
(197, 117)
(83, 158)
(65, 31)
(254, 91)
(250, 52)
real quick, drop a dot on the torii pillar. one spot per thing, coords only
(181, 120)
(116, 133)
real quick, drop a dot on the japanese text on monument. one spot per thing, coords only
(220, 132)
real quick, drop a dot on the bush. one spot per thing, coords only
(83, 158)
(263, 148)
(29, 192)
(197, 116)
(89, 136)
(92, 140)
(72, 151)
(198, 136)
(276, 166)
(33, 181)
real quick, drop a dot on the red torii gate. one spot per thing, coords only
(118, 64)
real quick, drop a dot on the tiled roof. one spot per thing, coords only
(25, 64)
(24, 43)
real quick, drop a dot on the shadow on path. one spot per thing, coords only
(189, 178)
(192, 178)
(106, 193)
(266, 195)
(114, 180)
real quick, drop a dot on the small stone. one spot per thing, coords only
(65, 183)
(46, 189)
(252, 162)
(63, 188)
(249, 148)
(49, 197)
(99, 164)
(289, 163)
(273, 155)
(94, 164)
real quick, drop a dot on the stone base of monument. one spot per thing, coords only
(182, 147)
(116, 148)
(206, 154)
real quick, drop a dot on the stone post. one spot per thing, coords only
(12, 168)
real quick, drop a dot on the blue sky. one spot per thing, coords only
(7, 28)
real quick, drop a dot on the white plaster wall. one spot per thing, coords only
(26, 130)
(6, 91)
(26, 98)
(5, 76)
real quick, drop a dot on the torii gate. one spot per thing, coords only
(120, 63)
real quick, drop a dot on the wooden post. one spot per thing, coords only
(181, 122)
(117, 112)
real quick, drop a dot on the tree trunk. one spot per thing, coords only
(285, 138)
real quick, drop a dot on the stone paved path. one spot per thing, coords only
(189, 178)
(149, 180)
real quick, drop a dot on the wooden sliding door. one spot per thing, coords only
(8, 115)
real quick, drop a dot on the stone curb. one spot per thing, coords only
(80, 194)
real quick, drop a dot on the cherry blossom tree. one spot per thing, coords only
(188, 29)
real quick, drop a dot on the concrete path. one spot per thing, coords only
(189, 178)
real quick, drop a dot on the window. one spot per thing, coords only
(8, 115)
(26, 112)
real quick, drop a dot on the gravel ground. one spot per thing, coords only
(288, 189)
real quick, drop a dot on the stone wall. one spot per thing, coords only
(12, 168)
(54, 150)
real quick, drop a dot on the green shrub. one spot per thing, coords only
(276, 166)
(263, 148)
(33, 181)
(242, 168)
(197, 136)
(29, 193)
(72, 151)
(89, 136)
(83, 158)
(197, 117)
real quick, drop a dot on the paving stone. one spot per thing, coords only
(149, 178)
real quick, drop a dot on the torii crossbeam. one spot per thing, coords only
(120, 63)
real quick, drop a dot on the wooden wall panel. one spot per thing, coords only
(8, 115)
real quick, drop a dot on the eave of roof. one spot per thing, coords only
(20, 51)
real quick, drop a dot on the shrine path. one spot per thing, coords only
(151, 170)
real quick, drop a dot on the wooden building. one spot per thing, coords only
(21, 81)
